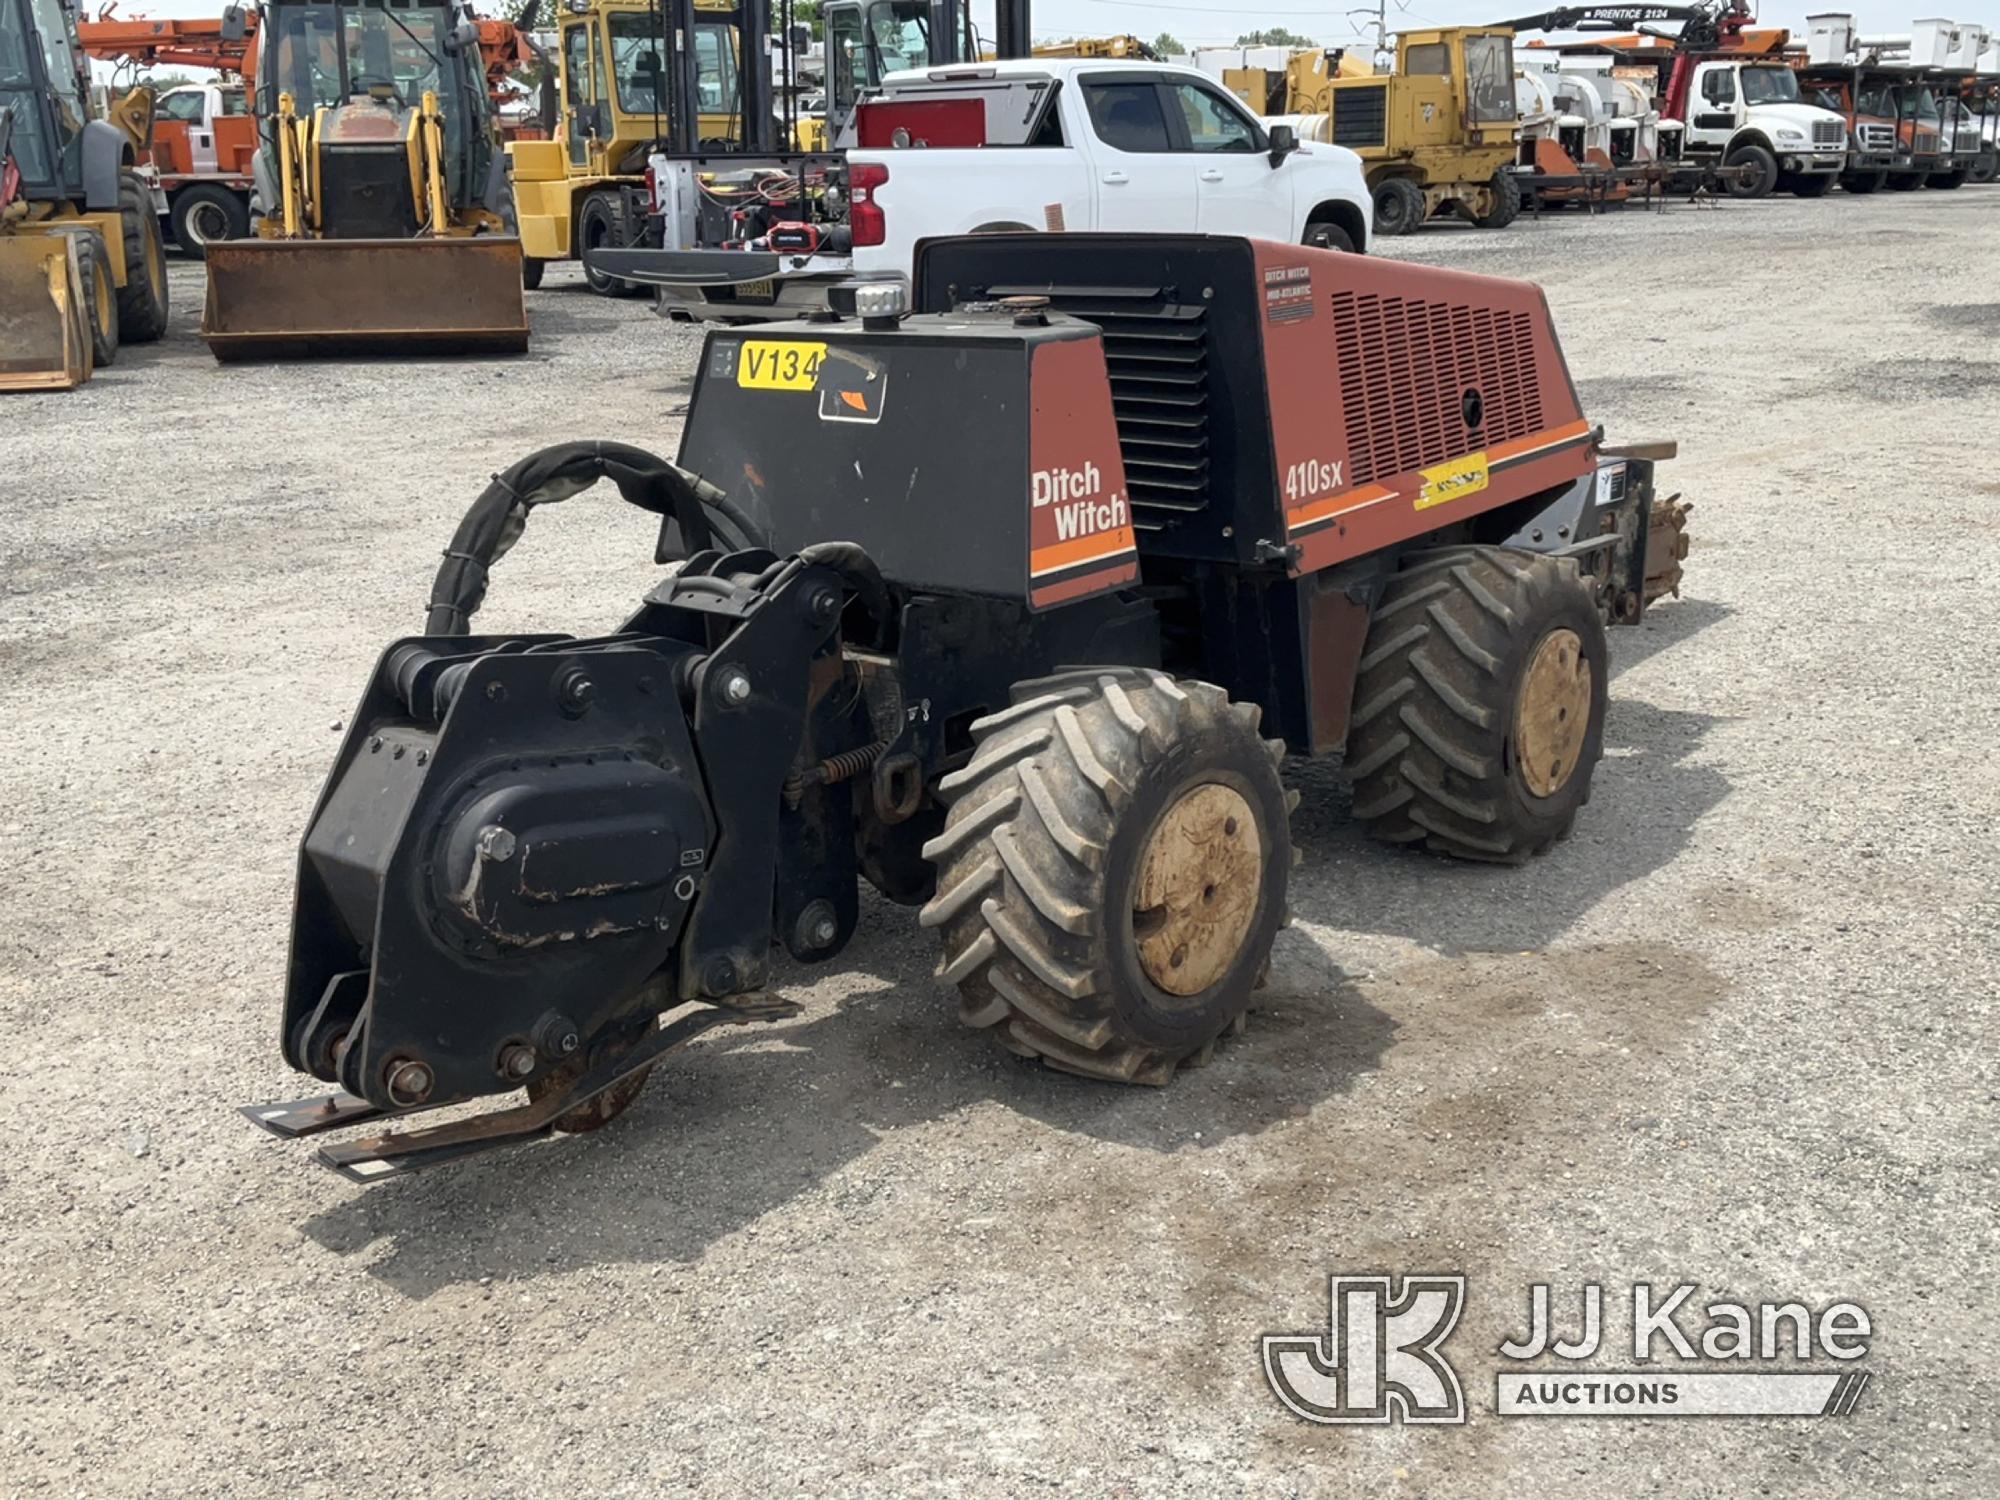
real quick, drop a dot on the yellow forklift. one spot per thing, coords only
(1439, 133)
(81, 265)
(634, 77)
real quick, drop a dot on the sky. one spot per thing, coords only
(1331, 26)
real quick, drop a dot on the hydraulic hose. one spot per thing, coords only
(499, 516)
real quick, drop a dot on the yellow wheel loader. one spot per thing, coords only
(81, 265)
(382, 218)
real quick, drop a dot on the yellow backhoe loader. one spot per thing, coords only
(81, 266)
(383, 222)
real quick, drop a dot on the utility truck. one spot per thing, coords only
(1727, 94)
(1038, 144)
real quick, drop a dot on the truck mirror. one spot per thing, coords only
(462, 38)
(1284, 141)
(234, 25)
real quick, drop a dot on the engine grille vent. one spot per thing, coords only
(1829, 132)
(1361, 115)
(1156, 350)
(1405, 367)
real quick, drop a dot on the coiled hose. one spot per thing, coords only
(497, 518)
(707, 518)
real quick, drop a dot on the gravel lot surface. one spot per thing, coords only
(1738, 1031)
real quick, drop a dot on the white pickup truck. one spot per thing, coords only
(1044, 144)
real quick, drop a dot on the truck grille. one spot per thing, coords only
(1156, 350)
(1361, 115)
(1405, 366)
(1878, 137)
(1828, 132)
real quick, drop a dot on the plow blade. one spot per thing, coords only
(301, 299)
(44, 334)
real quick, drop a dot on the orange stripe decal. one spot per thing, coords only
(1333, 505)
(1081, 549)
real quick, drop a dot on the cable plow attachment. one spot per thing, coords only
(534, 847)
(373, 1157)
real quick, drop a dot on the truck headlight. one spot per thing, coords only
(1791, 135)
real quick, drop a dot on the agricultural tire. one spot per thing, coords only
(1762, 176)
(205, 212)
(1479, 704)
(1323, 234)
(142, 301)
(1112, 872)
(602, 226)
(100, 297)
(1506, 202)
(531, 272)
(1812, 184)
(1399, 206)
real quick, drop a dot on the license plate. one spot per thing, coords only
(778, 364)
(756, 291)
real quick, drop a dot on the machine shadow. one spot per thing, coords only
(1648, 794)
(750, 1119)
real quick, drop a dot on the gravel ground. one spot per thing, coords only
(1738, 1031)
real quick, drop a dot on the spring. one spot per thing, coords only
(850, 762)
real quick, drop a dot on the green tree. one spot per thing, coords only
(1277, 36)
(1169, 45)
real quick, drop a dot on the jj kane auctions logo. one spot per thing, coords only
(1382, 1359)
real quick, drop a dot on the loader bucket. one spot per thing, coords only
(44, 334)
(301, 299)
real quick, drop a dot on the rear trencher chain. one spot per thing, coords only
(1432, 747)
(1040, 864)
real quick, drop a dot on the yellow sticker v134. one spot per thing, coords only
(778, 364)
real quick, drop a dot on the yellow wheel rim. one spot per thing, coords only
(1199, 885)
(107, 301)
(1552, 713)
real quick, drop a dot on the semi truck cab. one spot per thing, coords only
(1739, 109)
